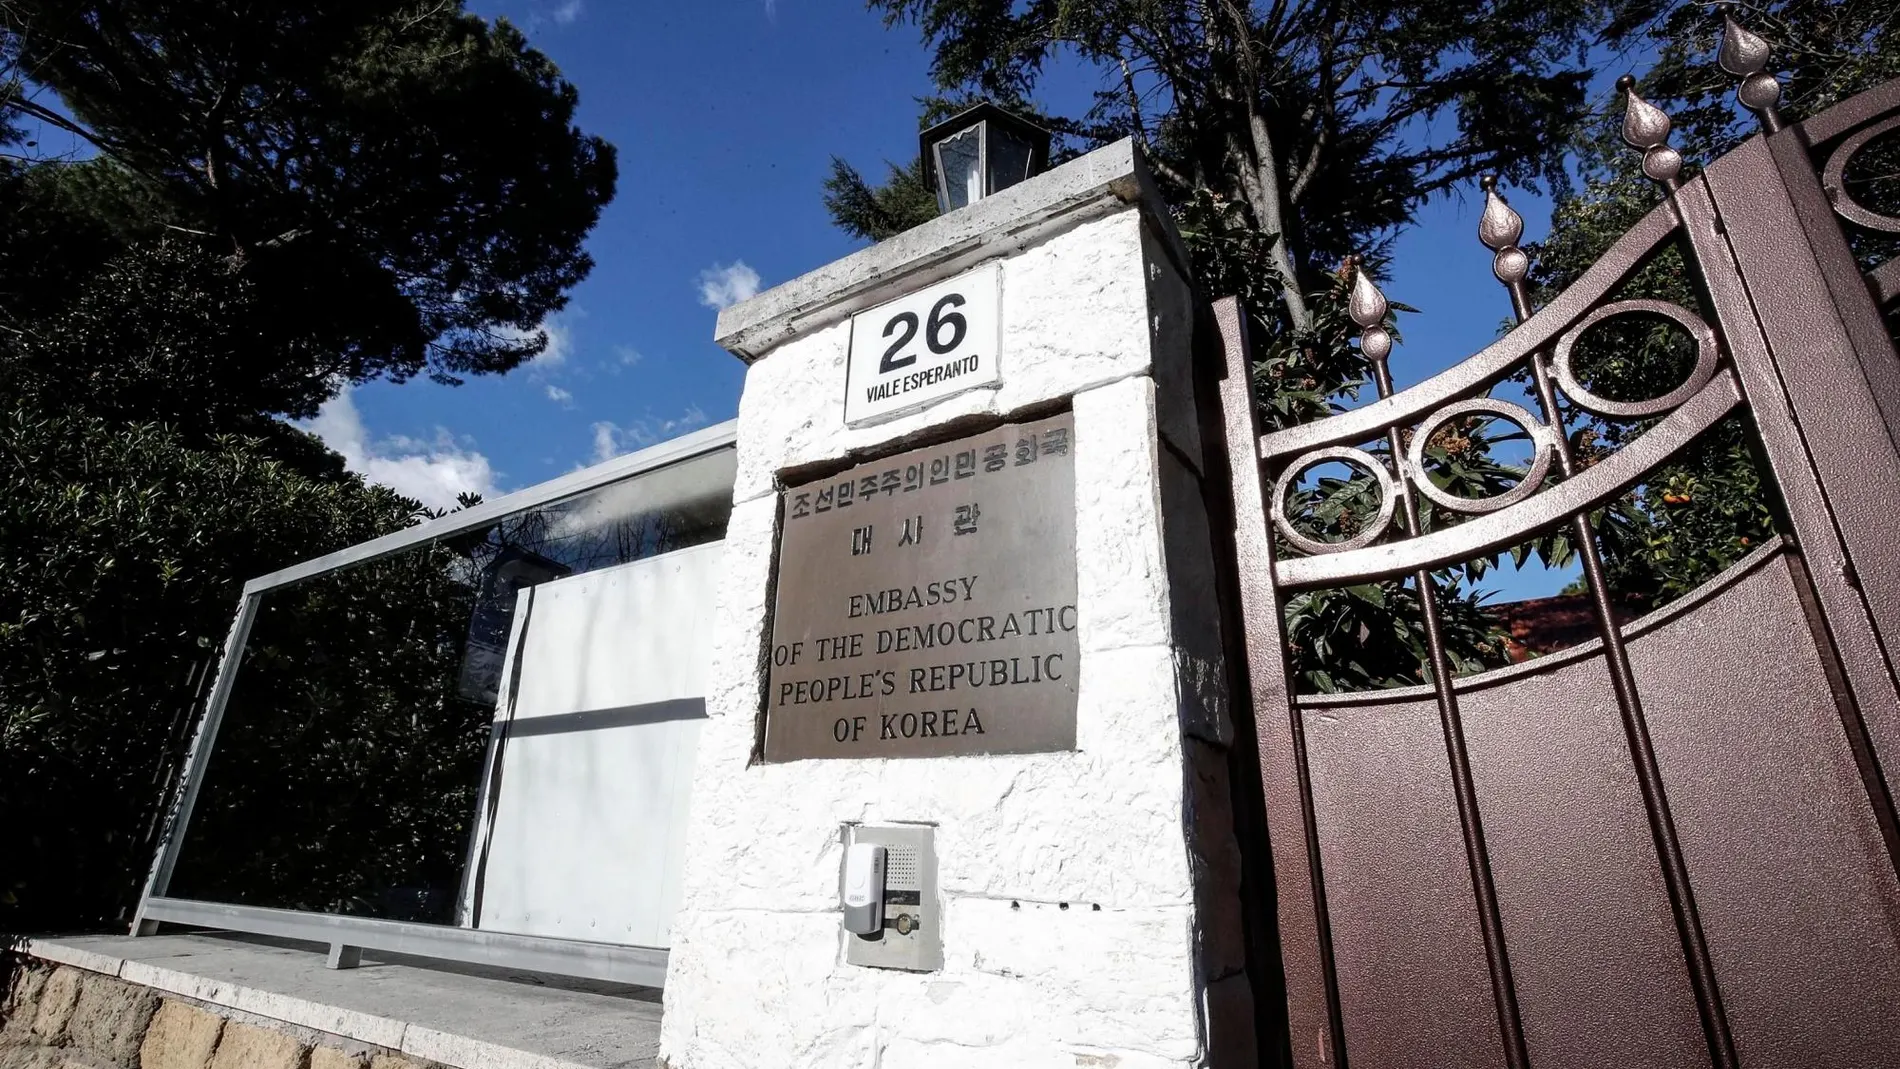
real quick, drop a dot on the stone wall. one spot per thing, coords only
(61, 1017)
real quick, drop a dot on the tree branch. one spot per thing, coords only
(1260, 177)
(1327, 97)
(1310, 168)
(47, 115)
(1161, 167)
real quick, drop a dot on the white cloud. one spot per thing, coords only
(432, 471)
(560, 397)
(560, 343)
(722, 285)
(606, 441)
(625, 356)
(566, 13)
(612, 439)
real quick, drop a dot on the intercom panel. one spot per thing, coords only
(908, 935)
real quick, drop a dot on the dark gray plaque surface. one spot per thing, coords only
(926, 603)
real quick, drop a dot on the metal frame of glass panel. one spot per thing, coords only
(600, 961)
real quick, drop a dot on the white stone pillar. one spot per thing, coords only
(1089, 897)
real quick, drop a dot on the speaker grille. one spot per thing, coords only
(900, 868)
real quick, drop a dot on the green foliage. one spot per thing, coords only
(1363, 637)
(58, 223)
(161, 332)
(1702, 512)
(877, 212)
(345, 780)
(1320, 128)
(1301, 373)
(122, 547)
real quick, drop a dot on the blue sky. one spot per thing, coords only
(726, 114)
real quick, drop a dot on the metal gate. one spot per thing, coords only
(1674, 845)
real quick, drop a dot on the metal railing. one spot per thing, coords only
(347, 935)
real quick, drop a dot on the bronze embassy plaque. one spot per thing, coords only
(926, 603)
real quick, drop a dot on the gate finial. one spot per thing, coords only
(1745, 55)
(1646, 127)
(1500, 228)
(1367, 306)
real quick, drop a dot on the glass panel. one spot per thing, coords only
(344, 779)
(1009, 159)
(959, 176)
(673, 508)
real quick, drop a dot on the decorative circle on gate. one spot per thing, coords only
(1704, 370)
(1834, 179)
(1543, 447)
(1388, 499)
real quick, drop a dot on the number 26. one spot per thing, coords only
(939, 321)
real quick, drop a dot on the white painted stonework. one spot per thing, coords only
(1075, 886)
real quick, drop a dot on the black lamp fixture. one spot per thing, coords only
(980, 151)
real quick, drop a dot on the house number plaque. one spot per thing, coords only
(926, 603)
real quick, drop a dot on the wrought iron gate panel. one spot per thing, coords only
(1676, 844)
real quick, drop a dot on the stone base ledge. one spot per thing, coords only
(76, 1004)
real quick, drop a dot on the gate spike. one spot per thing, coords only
(1500, 228)
(1745, 55)
(1646, 127)
(1367, 307)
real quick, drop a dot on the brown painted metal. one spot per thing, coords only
(1315, 1026)
(1775, 839)
(1884, 282)
(1797, 892)
(1676, 845)
(1368, 309)
(1512, 270)
(1825, 438)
